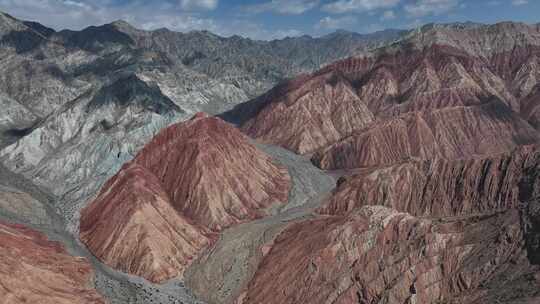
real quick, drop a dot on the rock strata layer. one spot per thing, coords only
(438, 92)
(190, 182)
(379, 255)
(439, 187)
(36, 270)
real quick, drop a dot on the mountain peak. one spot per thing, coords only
(9, 23)
(122, 25)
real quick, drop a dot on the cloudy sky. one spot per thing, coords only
(269, 19)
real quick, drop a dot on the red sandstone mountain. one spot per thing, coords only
(430, 73)
(133, 227)
(451, 133)
(443, 203)
(439, 187)
(377, 255)
(36, 270)
(191, 181)
(472, 237)
(310, 112)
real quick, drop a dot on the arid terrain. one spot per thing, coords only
(400, 167)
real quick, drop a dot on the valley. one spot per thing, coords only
(164, 167)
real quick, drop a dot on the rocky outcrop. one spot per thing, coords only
(154, 217)
(379, 255)
(36, 270)
(132, 91)
(439, 187)
(451, 133)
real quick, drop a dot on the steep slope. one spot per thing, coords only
(223, 178)
(410, 76)
(378, 255)
(154, 216)
(24, 203)
(480, 40)
(100, 94)
(133, 227)
(451, 133)
(36, 270)
(21, 205)
(87, 140)
(530, 107)
(439, 187)
(131, 90)
(309, 113)
(15, 120)
(19, 36)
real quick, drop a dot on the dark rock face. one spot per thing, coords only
(95, 39)
(36, 270)
(530, 107)
(130, 90)
(192, 180)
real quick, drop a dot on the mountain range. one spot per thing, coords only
(393, 167)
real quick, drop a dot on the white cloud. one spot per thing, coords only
(253, 30)
(199, 4)
(347, 6)
(372, 28)
(286, 7)
(72, 14)
(520, 2)
(181, 23)
(430, 7)
(388, 15)
(56, 13)
(331, 23)
(494, 3)
(78, 14)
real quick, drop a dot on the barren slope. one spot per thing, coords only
(155, 216)
(36, 270)
(377, 255)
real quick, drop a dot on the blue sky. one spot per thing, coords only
(270, 19)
